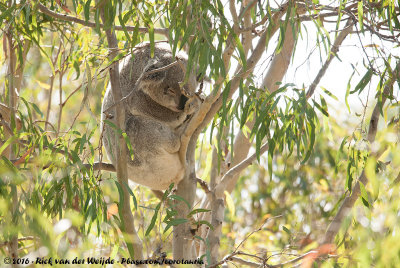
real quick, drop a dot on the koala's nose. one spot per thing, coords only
(182, 102)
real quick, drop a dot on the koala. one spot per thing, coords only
(157, 108)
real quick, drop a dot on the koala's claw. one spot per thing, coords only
(191, 106)
(185, 91)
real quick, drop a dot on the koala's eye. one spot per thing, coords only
(169, 91)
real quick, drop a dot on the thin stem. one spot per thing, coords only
(334, 50)
(65, 17)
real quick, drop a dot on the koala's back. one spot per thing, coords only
(155, 148)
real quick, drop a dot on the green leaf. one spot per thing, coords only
(229, 203)
(363, 82)
(320, 108)
(8, 12)
(286, 230)
(206, 32)
(10, 165)
(131, 193)
(206, 223)
(87, 10)
(271, 150)
(174, 222)
(153, 220)
(349, 179)
(280, 40)
(7, 143)
(188, 32)
(129, 145)
(312, 141)
(36, 108)
(364, 195)
(241, 52)
(348, 90)
(176, 197)
(360, 13)
(121, 195)
(197, 210)
(124, 135)
(327, 92)
(339, 152)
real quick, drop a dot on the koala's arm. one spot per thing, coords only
(169, 140)
(191, 106)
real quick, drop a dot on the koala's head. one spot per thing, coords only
(163, 86)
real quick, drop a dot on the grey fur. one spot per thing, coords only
(156, 112)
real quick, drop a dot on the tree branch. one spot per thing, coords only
(244, 262)
(45, 10)
(334, 50)
(3, 244)
(131, 237)
(101, 166)
(243, 73)
(234, 171)
(214, 101)
(217, 194)
(13, 244)
(276, 72)
(349, 201)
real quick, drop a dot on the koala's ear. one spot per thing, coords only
(152, 76)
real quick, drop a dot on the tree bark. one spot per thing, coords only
(13, 245)
(182, 242)
(131, 236)
(276, 72)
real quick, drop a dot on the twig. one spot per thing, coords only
(5, 113)
(3, 244)
(49, 100)
(101, 166)
(335, 48)
(237, 169)
(244, 262)
(6, 126)
(203, 185)
(233, 257)
(299, 258)
(65, 17)
(60, 93)
(51, 88)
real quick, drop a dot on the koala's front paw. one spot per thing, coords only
(192, 105)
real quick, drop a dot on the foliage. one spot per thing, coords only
(55, 200)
